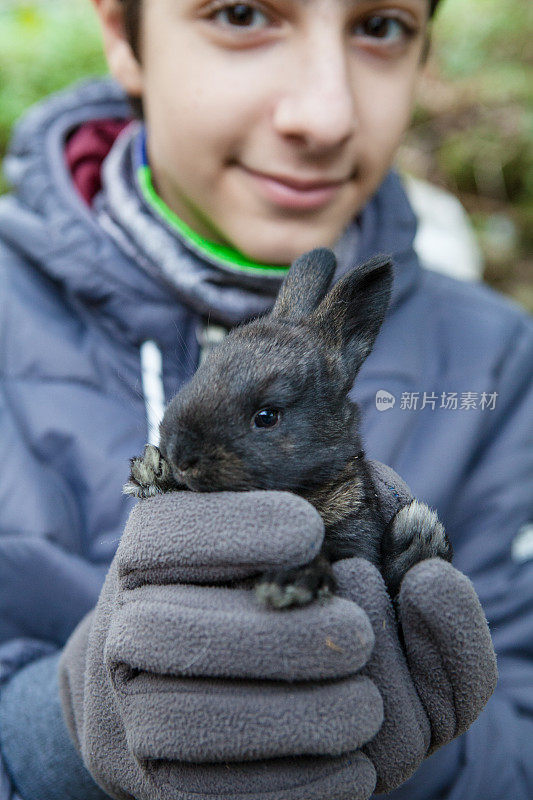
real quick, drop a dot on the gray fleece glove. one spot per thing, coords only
(179, 685)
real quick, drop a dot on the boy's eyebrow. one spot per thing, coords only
(351, 3)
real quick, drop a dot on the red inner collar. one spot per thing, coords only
(86, 149)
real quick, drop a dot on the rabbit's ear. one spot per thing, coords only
(350, 316)
(305, 285)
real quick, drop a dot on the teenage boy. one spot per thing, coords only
(269, 129)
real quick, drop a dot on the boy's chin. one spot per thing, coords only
(279, 244)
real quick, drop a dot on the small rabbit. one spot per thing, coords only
(269, 409)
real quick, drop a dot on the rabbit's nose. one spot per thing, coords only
(186, 462)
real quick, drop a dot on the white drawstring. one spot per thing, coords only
(152, 375)
(153, 389)
(208, 336)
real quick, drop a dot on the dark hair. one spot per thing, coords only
(132, 20)
(132, 24)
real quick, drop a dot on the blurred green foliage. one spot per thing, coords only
(472, 131)
(484, 48)
(44, 46)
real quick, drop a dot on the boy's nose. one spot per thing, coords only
(319, 103)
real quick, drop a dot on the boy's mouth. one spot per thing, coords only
(294, 193)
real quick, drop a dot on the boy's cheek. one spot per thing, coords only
(385, 115)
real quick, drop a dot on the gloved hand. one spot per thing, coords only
(178, 686)
(435, 674)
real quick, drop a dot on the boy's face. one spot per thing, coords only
(309, 90)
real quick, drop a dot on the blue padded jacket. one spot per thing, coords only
(76, 313)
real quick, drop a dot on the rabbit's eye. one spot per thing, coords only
(266, 418)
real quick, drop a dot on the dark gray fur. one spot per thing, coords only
(300, 360)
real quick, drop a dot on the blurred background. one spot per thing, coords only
(472, 132)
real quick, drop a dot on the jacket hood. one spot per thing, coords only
(47, 221)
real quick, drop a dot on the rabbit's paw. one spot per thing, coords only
(296, 587)
(413, 535)
(150, 474)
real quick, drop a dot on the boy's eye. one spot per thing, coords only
(237, 14)
(379, 30)
(389, 30)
